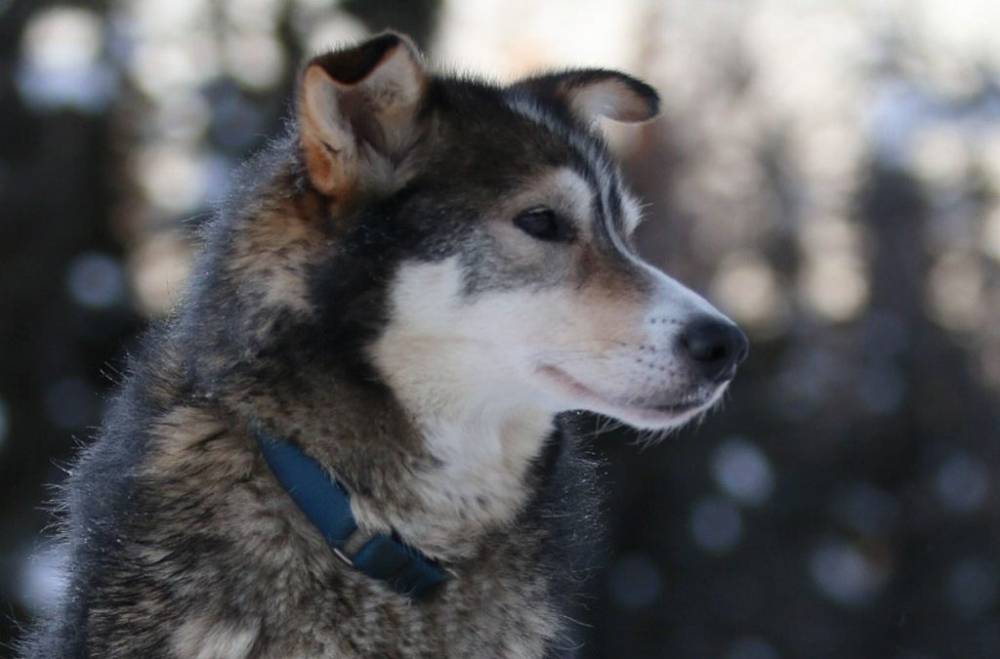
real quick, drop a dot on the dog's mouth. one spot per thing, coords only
(636, 410)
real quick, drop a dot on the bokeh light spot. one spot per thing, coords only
(43, 578)
(60, 60)
(747, 288)
(743, 471)
(962, 483)
(330, 29)
(95, 281)
(254, 59)
(941, 155)
(834, 285)
(971, 587)
(955, 291)
(254, 15)
(173, 177)
(844, 574)
(635, 581)
(157, 270)
(716, 525)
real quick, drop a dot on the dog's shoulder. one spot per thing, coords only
(96, 500)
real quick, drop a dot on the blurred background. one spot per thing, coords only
(826, 171)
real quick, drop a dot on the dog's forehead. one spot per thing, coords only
(593, 165)
(494, 139)
(589, 159)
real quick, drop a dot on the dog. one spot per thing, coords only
(351, 438)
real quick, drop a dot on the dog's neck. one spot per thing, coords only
(478, 423)
(442, 463)
(482, 443)
(483, 447)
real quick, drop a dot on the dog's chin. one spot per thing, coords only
(665, 416)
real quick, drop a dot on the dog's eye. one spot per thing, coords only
(543, 223)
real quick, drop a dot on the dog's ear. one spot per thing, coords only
(357, 111)
(592, 93)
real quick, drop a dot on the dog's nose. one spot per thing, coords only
(715, 346)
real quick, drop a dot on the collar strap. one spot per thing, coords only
(327, 505)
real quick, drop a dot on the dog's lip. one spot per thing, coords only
(571, 383)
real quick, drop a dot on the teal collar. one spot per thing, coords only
(327, 505)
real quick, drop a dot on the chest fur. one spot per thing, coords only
(224, 564)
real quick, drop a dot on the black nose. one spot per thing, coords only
(715, 346)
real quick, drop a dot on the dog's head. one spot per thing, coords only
(484, 239)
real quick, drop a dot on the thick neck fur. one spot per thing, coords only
(482, 438)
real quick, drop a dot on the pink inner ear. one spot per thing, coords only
(351, 66)
(611, 98)
(592, 93)
(355, 107)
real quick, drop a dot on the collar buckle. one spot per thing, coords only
(342, 556)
